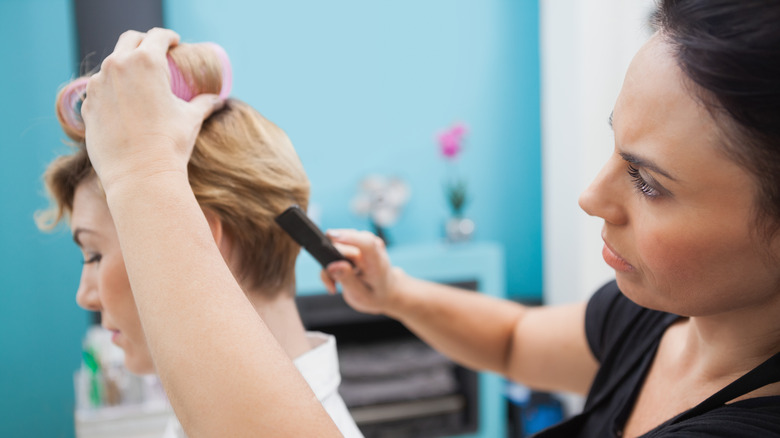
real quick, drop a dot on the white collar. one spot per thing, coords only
(320, 365)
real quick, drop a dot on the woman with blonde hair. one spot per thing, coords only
(243, 172)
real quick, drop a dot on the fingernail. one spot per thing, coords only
(334, 234)
(336, 274)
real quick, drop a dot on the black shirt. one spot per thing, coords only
(624, 337)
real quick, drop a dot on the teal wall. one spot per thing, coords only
(363, 87)
(360, 87)
(40, 324)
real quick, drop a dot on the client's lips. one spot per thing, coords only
(114, 333)
(614, 259)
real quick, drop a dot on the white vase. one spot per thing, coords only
(459, 229)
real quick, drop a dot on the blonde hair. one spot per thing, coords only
(243, 168)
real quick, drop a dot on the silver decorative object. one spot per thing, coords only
(459, 229)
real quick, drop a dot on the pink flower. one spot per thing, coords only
(459, 130)
(449, 144)
(450, 140)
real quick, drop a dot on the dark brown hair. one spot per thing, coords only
(730, 49)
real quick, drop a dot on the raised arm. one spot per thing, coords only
(222, 369)
(543, 347)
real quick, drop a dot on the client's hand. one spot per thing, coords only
(372, 285)
(135, 126)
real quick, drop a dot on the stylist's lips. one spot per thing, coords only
(614, 260)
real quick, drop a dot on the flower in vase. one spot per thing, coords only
(451, 145)
(381, 199)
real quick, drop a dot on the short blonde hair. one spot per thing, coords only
(243, 168)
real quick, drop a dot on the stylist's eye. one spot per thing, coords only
(93, 258)
(641, 185)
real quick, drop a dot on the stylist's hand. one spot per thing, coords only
(135, 126)
(372, 286)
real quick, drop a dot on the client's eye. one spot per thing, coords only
(93, 258)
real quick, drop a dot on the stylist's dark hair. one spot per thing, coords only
(730, 49)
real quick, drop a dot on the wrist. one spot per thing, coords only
(147, 184)
(127, 175)
(398, 297)
(156, 158)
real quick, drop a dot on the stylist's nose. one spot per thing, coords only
(87, 295)
(604, 197)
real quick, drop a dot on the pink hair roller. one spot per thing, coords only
(182, 89)
(69, 106)
(227, 70)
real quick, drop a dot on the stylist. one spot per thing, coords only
(685, 342)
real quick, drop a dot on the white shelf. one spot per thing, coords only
(139, 421)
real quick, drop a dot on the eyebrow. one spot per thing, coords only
(645, 163)
(639, 161)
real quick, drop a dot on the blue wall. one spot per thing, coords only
(40, 322)
(361, 87)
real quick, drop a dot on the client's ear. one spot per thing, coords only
(218, 232)
(225, 242)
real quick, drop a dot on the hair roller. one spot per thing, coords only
(227, 70)
(194, 69)
(68, 108)
(199, 68)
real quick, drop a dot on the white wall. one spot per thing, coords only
(586, 46)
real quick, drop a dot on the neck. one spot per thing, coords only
(727, 345)
(280, 315)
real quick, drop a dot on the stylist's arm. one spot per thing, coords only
(542, 347)
(223, 371)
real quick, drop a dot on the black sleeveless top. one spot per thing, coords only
(624, 337)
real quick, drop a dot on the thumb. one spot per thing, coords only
(206, 104)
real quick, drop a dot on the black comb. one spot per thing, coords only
(295, 222)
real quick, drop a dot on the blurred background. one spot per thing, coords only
(362, 88)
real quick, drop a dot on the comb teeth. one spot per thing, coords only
(295, 222)
(296, 228)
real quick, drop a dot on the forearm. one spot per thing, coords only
(473, 329)
(222, 369)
